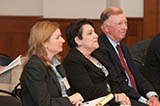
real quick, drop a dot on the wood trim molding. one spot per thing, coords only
(14, 32)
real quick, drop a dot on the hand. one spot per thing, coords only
(154, 101)
(76, 99)
(149, 103)
(123, 99)
(2, 67)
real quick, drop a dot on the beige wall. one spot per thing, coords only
(73, 8)
(133, 8)
(21, 7)
(68, 8)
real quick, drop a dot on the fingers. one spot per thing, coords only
(76, 99)
(123, 99)
(153, 101)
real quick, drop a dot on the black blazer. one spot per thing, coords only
(151, 69)
(90, 81)
(110, 54)
(40, 86)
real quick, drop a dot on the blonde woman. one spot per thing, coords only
(43, 83)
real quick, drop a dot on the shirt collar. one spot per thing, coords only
(55, 62)
(113, 43)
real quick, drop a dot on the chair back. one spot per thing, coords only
(138, 52)
(5, 59)
(10, 99)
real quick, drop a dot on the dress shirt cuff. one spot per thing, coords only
(151, 93)
(142, 100)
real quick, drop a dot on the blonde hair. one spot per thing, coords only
(40, 33)
(108, 12)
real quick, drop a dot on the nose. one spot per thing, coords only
(62, 40)
(96, 35)
(125, 25)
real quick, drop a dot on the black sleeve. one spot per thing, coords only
(80, 80)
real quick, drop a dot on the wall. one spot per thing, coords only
(68, 8)
(21, 7)
(14, 32)
(20, 15)
(73, 8)
(128, 6)
(133, 8)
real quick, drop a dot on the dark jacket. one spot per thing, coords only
(151, 69)
(109, 54)
(89, 80)
(40, 86)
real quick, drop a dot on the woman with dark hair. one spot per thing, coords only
(86, 73)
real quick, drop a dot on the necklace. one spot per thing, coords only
(89, 57)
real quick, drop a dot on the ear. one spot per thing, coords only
(44, 44)
(77, 40)
(104, 27)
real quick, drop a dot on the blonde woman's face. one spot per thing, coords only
(55, 44)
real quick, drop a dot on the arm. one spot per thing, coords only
(79, 79)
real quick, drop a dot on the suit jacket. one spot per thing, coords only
(40, 86)
(151, 69)
(110, 54)
(89, 80)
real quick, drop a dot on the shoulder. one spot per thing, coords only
(72, 56)
(34, 64)
(102, 38)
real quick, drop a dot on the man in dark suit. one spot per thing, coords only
(114, 28)
(151, 69)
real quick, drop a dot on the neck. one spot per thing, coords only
(85, 52)
(50, 56)
(112, 38)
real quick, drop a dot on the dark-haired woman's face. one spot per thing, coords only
(89, 39)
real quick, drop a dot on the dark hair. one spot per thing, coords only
(75, 29)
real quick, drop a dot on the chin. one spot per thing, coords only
(123, 36)
(61, 50)
(96, 47)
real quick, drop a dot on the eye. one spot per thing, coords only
(89, 33)
(126, 23)
(58, 37)
(120, 23)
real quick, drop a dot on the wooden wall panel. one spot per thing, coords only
(14, 32)
(135, 31)
(151, 18)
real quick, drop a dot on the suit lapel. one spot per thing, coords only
(61, 70)
(112, 53)
(53, 75)
(126, 56)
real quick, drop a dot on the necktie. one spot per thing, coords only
(126, 67)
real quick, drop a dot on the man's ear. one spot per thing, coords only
(77, 40)
(104, 27)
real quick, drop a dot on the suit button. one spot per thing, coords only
(126, 80)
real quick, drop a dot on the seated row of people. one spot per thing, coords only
(93, 68)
